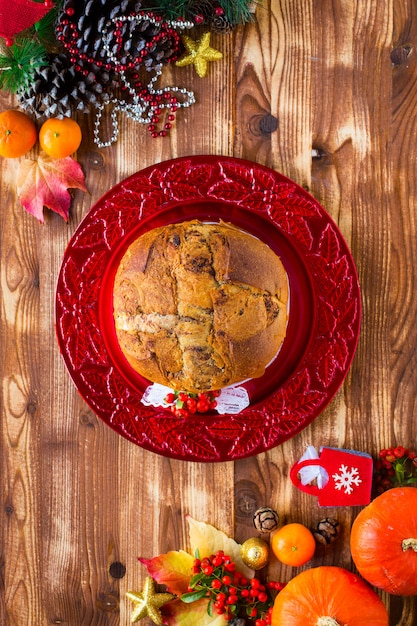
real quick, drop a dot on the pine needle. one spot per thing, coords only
(18, 67)
(237, 12)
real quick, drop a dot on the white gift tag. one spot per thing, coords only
(154, 395)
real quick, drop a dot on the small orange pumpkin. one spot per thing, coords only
(383, 541)
(328, 596)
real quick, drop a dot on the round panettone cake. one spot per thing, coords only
(200, 306)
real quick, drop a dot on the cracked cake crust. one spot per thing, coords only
(200, 306)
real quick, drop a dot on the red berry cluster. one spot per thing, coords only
(184, 404)
(229, 593)
(199, 18)
(395, 467)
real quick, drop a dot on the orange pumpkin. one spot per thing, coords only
(328, 596)
(383, 541)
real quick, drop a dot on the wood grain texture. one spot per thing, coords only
(324, 92)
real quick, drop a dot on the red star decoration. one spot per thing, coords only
(18, 15)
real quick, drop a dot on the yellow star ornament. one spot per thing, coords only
(199, 53)
(148, 602)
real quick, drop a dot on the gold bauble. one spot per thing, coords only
(255, 553)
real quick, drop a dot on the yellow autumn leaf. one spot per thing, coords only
(180, 614)
(208, 540)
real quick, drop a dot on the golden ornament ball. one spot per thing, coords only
(255, 553)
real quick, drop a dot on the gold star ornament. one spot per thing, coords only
(198, 53)
(148, 602)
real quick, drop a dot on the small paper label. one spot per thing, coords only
(232, 400)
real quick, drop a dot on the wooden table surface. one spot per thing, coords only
(80, 502)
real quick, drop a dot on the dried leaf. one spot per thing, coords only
(172, 569)
(177, 613)
(45, 182)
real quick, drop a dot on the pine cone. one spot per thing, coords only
(58, 89)
(203, 8)
(91, 29)
(220, 24)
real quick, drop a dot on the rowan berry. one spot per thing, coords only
(230, 567)
(226, 580)
(232, 599)
(202, 406)
(191, 404)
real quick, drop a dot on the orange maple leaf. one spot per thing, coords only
(45, 183)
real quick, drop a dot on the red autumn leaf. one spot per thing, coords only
(45, 182)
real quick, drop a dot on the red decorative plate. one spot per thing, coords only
(324, 318)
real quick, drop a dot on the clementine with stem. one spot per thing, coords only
(293, 544)
(60, 137)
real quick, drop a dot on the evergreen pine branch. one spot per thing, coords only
(45, 28)
(18, 66)
(236, 11)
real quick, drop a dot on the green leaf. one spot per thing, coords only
(210, 607)
(192, 596)
(196, 578)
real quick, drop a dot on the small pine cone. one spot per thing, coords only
(58, 90)
(265, 520)
(220, 24)
(203, 8)
(327, 530)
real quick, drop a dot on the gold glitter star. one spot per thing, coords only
(148, 602)
(199, 53)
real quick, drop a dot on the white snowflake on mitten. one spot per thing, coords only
(347, 479)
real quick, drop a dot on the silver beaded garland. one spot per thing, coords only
(139, 110)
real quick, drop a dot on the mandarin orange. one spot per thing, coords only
(60, 137)
(17, 133)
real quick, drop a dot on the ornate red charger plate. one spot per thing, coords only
(324, 316)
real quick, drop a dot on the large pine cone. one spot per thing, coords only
(91, 28)
(58, 89)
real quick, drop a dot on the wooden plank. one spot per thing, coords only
(324, 93)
